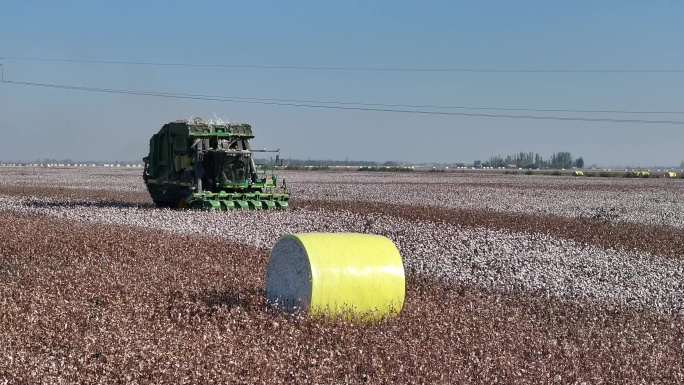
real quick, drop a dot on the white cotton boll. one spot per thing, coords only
(489, 258)
(288, 276)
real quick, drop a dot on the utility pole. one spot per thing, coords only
(2, 73)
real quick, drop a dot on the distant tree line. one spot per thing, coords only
(532, 160)
(329, 162)
(520, 160)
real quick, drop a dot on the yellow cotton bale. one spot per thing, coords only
(336, 274)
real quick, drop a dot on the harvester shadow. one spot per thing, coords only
(83, 203)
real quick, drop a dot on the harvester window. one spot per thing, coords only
(181, 162)
(235, 169)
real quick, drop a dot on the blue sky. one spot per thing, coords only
(56, 123)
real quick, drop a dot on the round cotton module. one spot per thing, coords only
(336, 273)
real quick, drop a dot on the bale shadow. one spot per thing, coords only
(246, 298)
(204, 304)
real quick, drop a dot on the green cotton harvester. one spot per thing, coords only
(209, 165)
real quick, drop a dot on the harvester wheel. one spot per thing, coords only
(161, 204)
(182, 202)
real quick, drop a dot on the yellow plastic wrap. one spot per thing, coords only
(333, 273)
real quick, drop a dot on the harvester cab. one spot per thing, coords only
(209, 165)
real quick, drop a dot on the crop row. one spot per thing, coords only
(645, 201)
(97, 285)
(483, 257)
(92, 302)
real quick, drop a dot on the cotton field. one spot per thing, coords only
(510, 278)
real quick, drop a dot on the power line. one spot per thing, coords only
(314, 104)
(579, 111)
(442, 107)
(367, 69)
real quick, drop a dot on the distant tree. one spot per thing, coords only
(496, 161)
(534, 160)
(561, 160)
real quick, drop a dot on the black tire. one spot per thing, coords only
(181, 200)
(162, 204)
